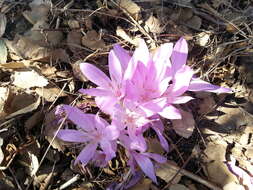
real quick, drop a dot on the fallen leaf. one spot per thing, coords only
(167, 172)
(184, 127)
(50, 93)
(3, 52)
(28, 79)
(195, 22)
(13, 65)
(77, 71)
(153, 25)
(122, 33)
(93, 40)
(74, 40)
(131, 7)
(73, 24)
(32, 121)
(26, 109)
(3, 22)
(1, 152)
(4, 94)
(203, 38)
(34, 165)
(38, 12)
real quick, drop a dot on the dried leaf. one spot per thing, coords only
(3, 23)
(34, 165)
(203, 38)
(121, 33)
(184, 127)
(50, 93)
(26, 109)
(74, 40)
(3, 52)
(93, 40)
(194, 22)
(153, 25)
(131, 7)
(38, 12)
(13, 65)
(36, 118)
(28, 79)
(77, 71)
(4, 94)
(1, 152)
(167, 172)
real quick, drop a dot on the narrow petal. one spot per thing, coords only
(115, 68)
(179, 55)
(162, 140)
(197, 84)
(141, 54)
(181, 81)
(179, 99)
(108, 150)
(170, 112)
(122, 55)
(146, 165)
(71, 135)
(85, 121)
(87, 153)
(96, 92)
(95, 75)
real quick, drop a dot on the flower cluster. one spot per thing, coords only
(142, 88)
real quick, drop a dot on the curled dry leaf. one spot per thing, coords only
(184, 127)
(93, 40)
(3, 52)
(50, 93)
(153, 25)
(3, 22)
(122, 33)
(28, 79)
(77, 71)
(131, 7)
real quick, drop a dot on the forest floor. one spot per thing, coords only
(42, 44)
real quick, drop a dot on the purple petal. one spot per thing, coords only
(181, 81)
(158, 158)
(179, 54)
(87, 153)
(85, 121)
(162, 140)
(162, 59)
(115, 68)
(197, 84)
(243, 176)
(111, 132)
(96, 92)
(180, 99)
(170, 112)
(146, 165)
(95, 75)
(106, 103)
(122, 55)
(108, 150)
(71, 135)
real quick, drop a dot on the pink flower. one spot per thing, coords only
(92, 130)
(142, 159)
